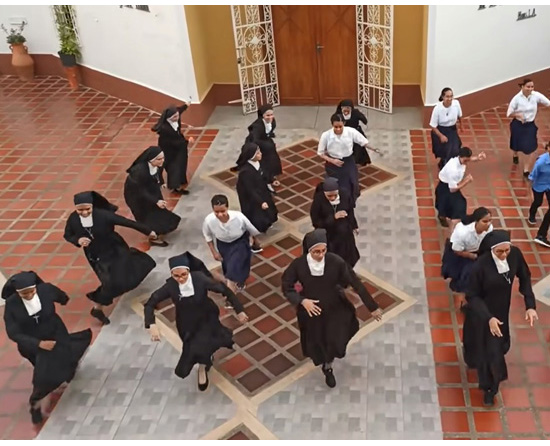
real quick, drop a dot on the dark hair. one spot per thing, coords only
(336, 117)
(445, 90)
(464, 152)
(476, 216)
(219, 200)
(547, 146)
(525, 81)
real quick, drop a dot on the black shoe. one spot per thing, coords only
(162, 244)
(330, 380)
(515, 159)
(100, 316)
(488, 398)
(181, 191)
(526, 174)
(532, 220)
(36, 415)
(234, 169)
(202, 386)
(256, 248)
(542, 241)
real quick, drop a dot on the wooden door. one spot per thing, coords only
(316, 53)
(337, 59)
(294, 34)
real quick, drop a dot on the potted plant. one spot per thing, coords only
(20, 59)
(68, 40)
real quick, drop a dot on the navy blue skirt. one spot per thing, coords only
(447, 150)
(449, 204)
(347, 175)
(456, 268)
(523, 137)
(237, 256)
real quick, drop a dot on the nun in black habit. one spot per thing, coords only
(252, 187)
(197, 316)
(353, 118)
(326, 318)
(175, 147)
(41, 336)
(262, 132)
(143, 195)
(332, 209)
(118, 267)
(486, 331)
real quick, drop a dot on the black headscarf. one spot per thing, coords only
(247, 153)
(188, 260)
(492, 239)
(95, 199)
(330, 184)
(344, 103)
(172, 110)
(314, 238)
(263, 109)
(148, 154)
(20, 281)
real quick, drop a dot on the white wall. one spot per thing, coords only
(148, 48)
(469, 50)
(39, 32)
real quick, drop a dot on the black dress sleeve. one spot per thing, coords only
(318, 218)
(182, 108)
(140, 177)
(119, 220)
(58, 295)
(474, 293)
(249, 184)
(157, 297)
(361, 116)
(69, 233)
(223, 289)
(288, 280)
(348, 276)
(24, 341)
(525, 286)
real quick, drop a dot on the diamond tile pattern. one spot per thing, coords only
(302, 171)
(268, 347)
(241, 432)
(522, 408)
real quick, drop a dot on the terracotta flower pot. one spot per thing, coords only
(72, 76)
(22, 62)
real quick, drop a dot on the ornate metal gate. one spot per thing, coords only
(253, 29)
(375, 56)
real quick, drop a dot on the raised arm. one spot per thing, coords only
(58, 294)
(119, 220)
(223, 289)
(156, 298)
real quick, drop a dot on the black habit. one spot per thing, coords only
(175, 148)
(326, 336)
(197, 319)
(340, 236)
(360, 153)
(142, 192)
(51, 367)
(489, 294)
(271, 163)
(252, 190)
(118, 267)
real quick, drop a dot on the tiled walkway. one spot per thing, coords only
(54, 143)
(523, 407)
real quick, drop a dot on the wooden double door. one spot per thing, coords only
(316, 52)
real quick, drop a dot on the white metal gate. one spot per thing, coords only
(375, 56)
(253, 29)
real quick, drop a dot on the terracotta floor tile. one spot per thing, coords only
(523, 422)
(236, 365)
(542, 396)
(451, 397)
(454, 422)
(488, 421)
(253, 380)
(538, 374)
(515, 397)
(447, 374)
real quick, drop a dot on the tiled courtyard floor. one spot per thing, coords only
(523, 406)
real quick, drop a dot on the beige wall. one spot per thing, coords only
(407, 44)
(425, 13)
(212, 45)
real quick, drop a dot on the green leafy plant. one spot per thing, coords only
(66, 30)
(14, 34)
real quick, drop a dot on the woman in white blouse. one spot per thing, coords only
(336, 149)
(445, 116)
(449, 201)
(523, 130)
(461, 249)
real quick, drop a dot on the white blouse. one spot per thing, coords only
(452, 172)
(527, 105)
(465, 237)
(236, 226)
(315, 268)
(86, 222)
(187, 289)
(340, 146)
(446, 116)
